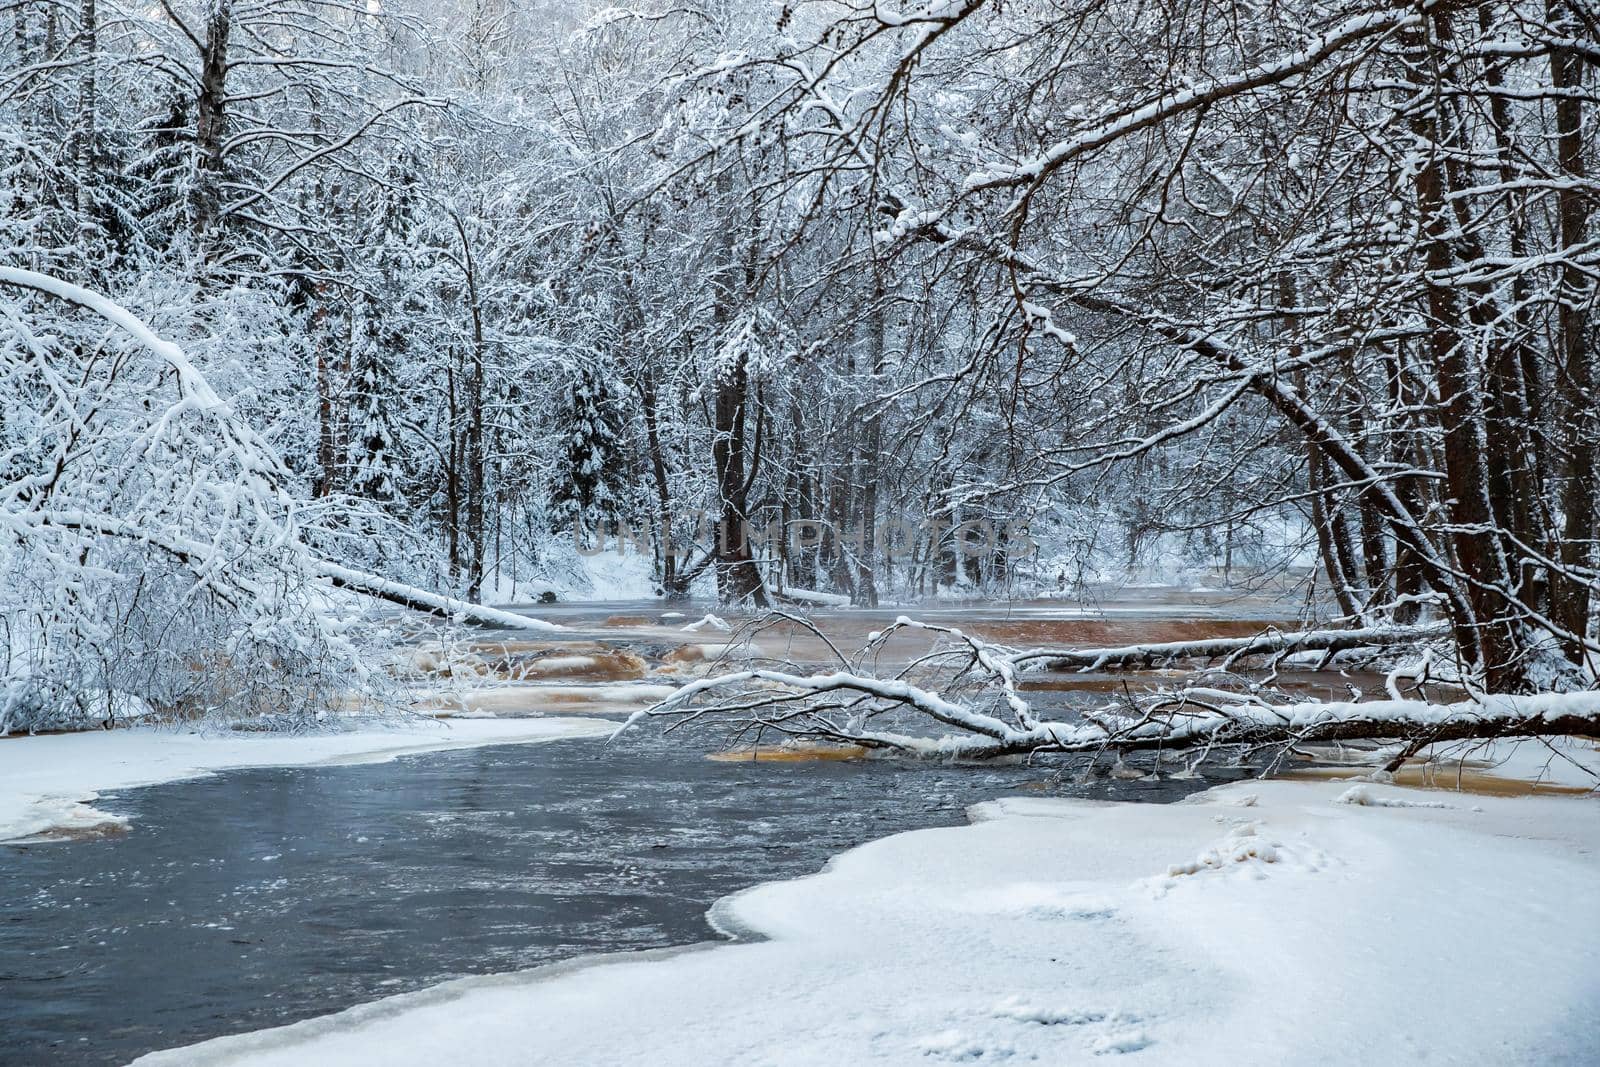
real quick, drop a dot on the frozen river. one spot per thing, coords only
(264, 896)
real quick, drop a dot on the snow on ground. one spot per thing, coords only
(572, 576)
(49, 782)
(816, 597)
(1260, 923)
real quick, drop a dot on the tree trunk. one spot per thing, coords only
(672, 584)
(1330, 539)
(738, 578)
(211, 118)
(327, 447)
(453, 488)
(1374, 556)
(85, 134)
(1570, 593)
(473, 454)
(1489, 635)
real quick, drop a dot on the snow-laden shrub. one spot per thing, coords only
(152, 551)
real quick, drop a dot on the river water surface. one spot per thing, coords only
(264, 896)
(260, 897)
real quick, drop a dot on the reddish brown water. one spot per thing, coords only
(623, 656)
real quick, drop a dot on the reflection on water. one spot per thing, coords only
(791, 753)
(1453, 775)
(620, 656)
(1119, 617)
(265, 896)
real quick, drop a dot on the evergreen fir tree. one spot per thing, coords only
(163, 171)
(590, 462)
(380, 345)
(373, 441)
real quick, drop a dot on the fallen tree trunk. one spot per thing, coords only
(1188, 720)
(984, 712)
(1232, 648)
(810, 706)
(199, 558)
(409, 596)
(811, 596)
(260, 474)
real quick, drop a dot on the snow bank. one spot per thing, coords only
(1263, 924)
(49, 782)
(814, 596)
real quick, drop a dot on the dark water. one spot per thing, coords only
(266, 896)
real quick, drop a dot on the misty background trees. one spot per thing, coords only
(1304, 282)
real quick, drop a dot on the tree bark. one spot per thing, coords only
(1571, 594)
(672, 584)
(738, 578)
(1335, 557)
(211, 116)
(1488, 630)
(872, 459)
(473, 454)
(86, 134)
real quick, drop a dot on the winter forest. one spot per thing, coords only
(439, 285)
(338, 334)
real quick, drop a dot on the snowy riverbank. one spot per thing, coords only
(1260, 923)
(48, 783)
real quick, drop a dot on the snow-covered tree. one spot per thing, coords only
(1301, 283)
(589, 485)
(380, 344)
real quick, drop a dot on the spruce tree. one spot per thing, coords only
(162, 171)
(373, 441)
(380, 344)
(590, 461)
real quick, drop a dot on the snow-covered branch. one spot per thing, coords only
(150, 541)
(415, 599)
(964, 702)
(1229, 649)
